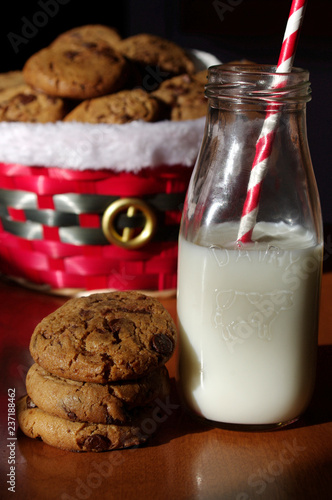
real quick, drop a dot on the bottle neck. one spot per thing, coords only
(247, 87)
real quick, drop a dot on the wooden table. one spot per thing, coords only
(185, 459)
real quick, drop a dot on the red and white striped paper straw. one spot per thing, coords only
(266, 138)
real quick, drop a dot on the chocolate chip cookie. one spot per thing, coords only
(83, 436)
(77, 69)
(89, 402)
(105, 337)
(21, 103)
(121, 107)
(151, 50)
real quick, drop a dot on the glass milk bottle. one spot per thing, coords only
(248, 311)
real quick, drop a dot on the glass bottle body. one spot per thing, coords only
(248, 313)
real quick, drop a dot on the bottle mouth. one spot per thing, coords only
(251, 82)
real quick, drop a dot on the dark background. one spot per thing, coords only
(230, 29)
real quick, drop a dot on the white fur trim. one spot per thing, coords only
(81, 146)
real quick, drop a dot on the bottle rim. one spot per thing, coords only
(253, 82)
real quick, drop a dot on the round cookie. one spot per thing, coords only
(184, 95)
(89, 33)
(77, 70)
(151, 50)
(88, 402)
(121, 107)
(80, 436)
(105, 337)
(21, 103)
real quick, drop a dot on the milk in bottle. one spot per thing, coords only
(248, 325)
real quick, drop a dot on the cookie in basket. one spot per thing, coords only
(22, 103)
(77, 69)
(105, 337)
(120, 107)
(81, 436)
(150, 50)
(98, 403)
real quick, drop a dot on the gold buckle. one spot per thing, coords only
(129, 238)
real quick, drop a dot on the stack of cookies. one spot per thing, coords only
(89, 74)
(99, 373)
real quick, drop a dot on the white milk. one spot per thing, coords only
(248, 324)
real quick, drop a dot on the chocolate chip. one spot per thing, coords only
(97, 442)
(115, 421)
(109, 419)
(71, 415)
(90, 45)
(26, 98)
(86, 314)
(108, 363)
(115, 326)
(30, 403)
(107, 52)
(71, 54)
(46, 335)
(162, 344)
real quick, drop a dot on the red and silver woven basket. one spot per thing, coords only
(75, 200)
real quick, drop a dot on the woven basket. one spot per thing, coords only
(55, 227)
